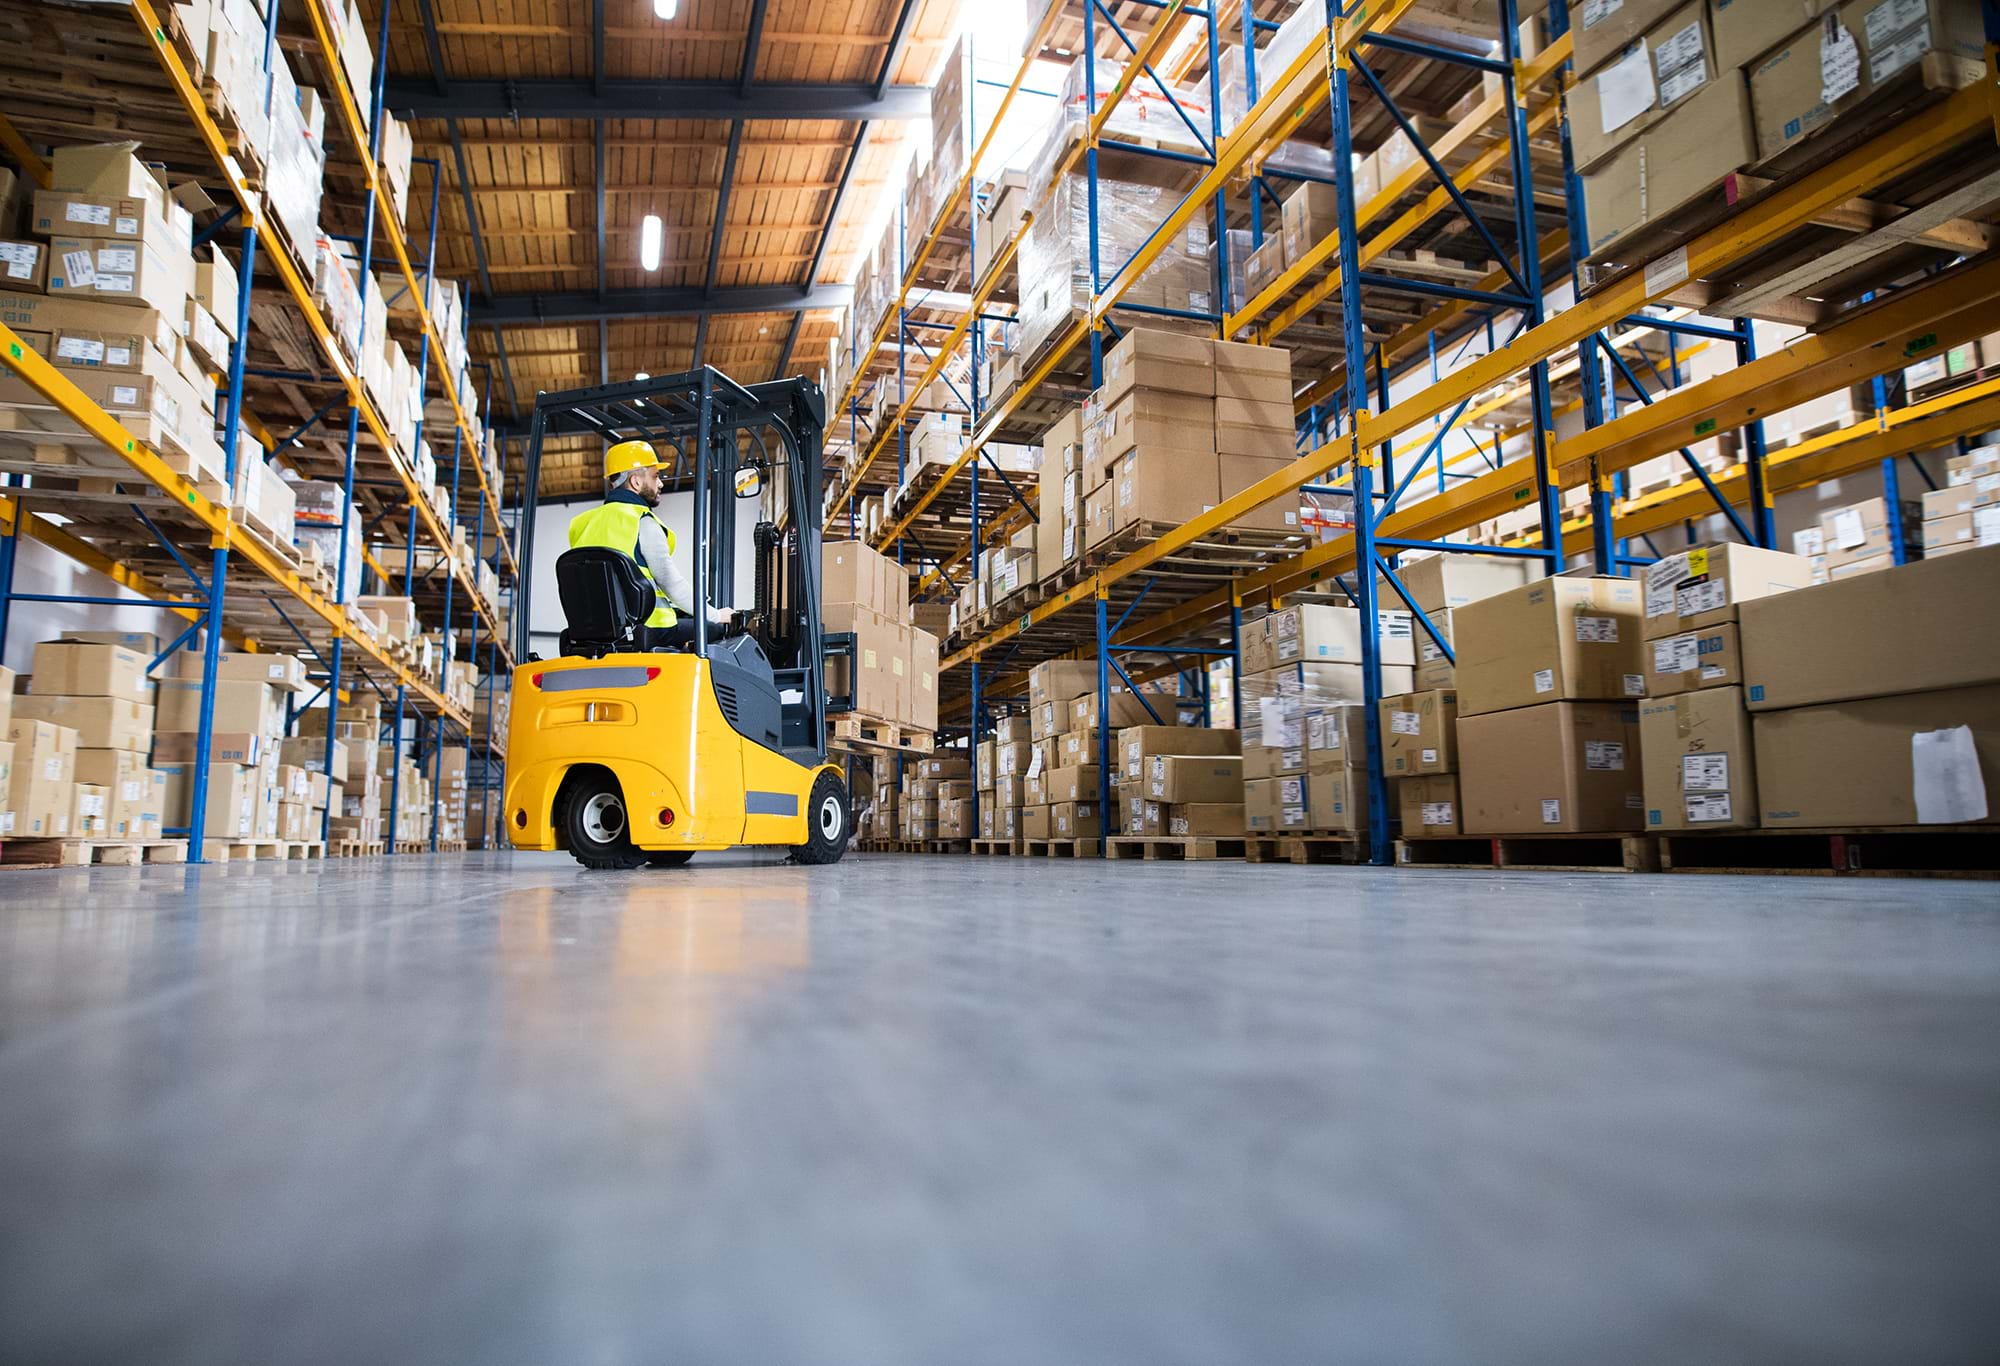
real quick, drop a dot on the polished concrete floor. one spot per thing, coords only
(915, 1110)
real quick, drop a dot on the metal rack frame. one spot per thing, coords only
(205, 608)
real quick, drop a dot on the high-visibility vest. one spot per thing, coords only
(615, 526)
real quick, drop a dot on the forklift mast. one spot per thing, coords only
(708, 430)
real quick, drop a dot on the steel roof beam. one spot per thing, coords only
(528, 310)
(582, 99)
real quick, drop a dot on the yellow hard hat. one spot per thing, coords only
(629, 455)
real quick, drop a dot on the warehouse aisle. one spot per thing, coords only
(916, 1110)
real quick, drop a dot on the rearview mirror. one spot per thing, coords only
(749, 482)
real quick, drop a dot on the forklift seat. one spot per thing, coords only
(605, 601)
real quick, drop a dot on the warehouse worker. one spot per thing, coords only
(625, 523)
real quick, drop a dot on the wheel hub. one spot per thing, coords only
(604, 818)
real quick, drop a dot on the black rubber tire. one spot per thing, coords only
(828, 822)
(668, 858)
(595, 825)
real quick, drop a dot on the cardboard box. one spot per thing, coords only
(1420, 733)
(1148, 358)
(1603, 31)
(1948, 533)
(1709, 658)
(99, 722)
(233, 794)
(146, 270)
(240, 705)
(1900, 760)
(1336, 737)
(1138, 745)
(1672, 164)
(1428, 805)
(1311, 212)
(1203, 819)
(127, 784)
(1100, 515)
(1909, 629)
(1438, 583)
(1238, 472)
(1319, 633)
(87, 811)
(1861, 531)
(1746, 29)
(1559, 639)
(39, 778)
(1558, 768)
(1257, 372)
(79, 669)
(242, 748)
(1074, 783)
(1434, 668)
(1035, 823)
(1074, 821)
(1639, 89)
(1697, 761)
(286, 673)
(309, 753)
(1179, 778)
(1800, 88)
(1702, 587)
(1264, 264)
(6, 697)
(24, 266)
(1161, 484)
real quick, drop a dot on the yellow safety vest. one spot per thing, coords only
(615, 526)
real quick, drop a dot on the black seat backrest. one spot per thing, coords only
(605, 600)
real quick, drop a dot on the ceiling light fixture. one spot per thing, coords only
(649, 240)
(666, 9)
(642, 375)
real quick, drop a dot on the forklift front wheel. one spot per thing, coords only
(596, 824)
(826, 822)
(668, 858)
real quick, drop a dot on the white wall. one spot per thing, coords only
(38, 569)
(676, 510)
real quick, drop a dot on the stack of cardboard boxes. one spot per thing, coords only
(88, 712)
(1673, 96)
(935, 801)
(1859, 539)
(1698, 770)
(1549, 676)
(1966, 511)
(1875, 700)
(106, 290)
(1180, 781)
(1298, 664)
(253, 793)
(893, 675)
(412, 791)
(1179, 424)
(357, 726)
(1001, 773)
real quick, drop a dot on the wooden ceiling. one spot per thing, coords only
(533, 181)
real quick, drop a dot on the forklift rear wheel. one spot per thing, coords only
(600, 835)
(668, 858)
(826, 822)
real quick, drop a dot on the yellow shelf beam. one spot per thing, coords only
(1761, 224)
(223, 533)
(251, 203)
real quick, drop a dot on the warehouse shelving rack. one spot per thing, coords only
(194, 516)
(1350, 429)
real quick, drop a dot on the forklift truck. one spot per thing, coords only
(628, 752)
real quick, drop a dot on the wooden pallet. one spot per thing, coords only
(942, 846)
(1606, 853)
(83, 853)
(251, 851)
(1176, 848)
(1306, 847)
(1064, 848)
(1012, 847)
(870, 735)
(1944, 851)
(357, 848)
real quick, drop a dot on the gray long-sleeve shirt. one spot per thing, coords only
(667, 577)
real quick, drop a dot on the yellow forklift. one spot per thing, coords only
(631, 751)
